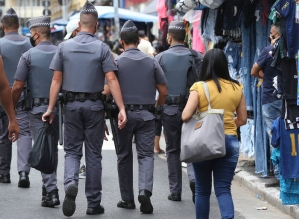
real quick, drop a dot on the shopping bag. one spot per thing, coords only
(203, 136)
(42, 155)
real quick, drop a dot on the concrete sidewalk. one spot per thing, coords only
(247, 178)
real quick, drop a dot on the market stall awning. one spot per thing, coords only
(151, 8)
(107, 12)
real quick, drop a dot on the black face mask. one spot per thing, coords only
(32, 41)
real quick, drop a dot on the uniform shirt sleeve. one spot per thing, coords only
(57, 61)
(107, 60)
(262, 59)
(158, 57)
(159, 74)
(23, 67)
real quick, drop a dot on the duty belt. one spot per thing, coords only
(173, 100)
(40, 101)
(75, 96)
(136, 107)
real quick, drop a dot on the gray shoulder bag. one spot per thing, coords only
(203, 135)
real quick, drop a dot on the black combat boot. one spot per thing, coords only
(52, 199)
(4, 178)
(24, 180)
(146, 206)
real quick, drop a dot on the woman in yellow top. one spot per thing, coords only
(225, 93)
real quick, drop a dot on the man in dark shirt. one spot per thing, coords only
(271, 102)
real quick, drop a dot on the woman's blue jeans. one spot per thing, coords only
(223, 172)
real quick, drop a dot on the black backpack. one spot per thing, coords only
(194, 70)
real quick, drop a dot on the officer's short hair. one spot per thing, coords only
(88, 20)
(129, 37)
(43, 30)
(177, 35)
(11, 22)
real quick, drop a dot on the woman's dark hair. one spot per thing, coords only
(214, 66)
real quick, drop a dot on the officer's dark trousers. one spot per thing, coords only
(142, 125)
(172, 123)
(84, 122)
(24, 143)
(35, 122)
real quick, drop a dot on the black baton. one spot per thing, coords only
(60, 104)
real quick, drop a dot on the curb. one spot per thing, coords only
(271, 195)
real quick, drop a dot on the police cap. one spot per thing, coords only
(88, 8)
(43, 21)
(128, 27)
(177, 25)
(10, 13)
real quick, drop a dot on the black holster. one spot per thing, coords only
(158, 112)
(27, 102)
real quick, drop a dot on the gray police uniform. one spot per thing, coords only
(172, 62)
(83, 61)
(34, 69)
(134, 66)
(12, 45)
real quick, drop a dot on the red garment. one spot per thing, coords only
(266, 11)
(162, 13)
(197, 43)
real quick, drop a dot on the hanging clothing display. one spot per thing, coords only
(286, 155)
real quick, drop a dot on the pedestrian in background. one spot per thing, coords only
(72, 29)
(271, 99)
(145, 46)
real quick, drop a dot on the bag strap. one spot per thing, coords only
(207, 93)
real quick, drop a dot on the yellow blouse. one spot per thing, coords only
(229, 99)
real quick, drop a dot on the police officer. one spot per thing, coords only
(6, 103)
(139, 99)
(12, 45)
(176, 63)
(33, 68)
(80, 66)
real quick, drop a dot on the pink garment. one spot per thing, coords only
(162, 12)
(197, 43)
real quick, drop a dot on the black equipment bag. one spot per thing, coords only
(42, 155)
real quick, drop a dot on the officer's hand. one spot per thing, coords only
(48, 116)
(106, 132)
(122, 119)
(13, 131)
